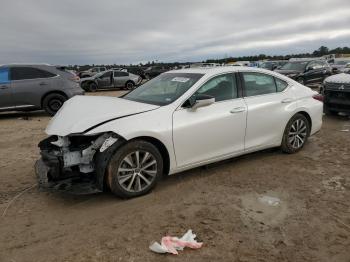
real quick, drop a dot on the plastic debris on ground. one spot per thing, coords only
(172, 245)
(271, 201)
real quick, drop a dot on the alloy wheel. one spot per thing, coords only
(297, 134)
(137, 171)
(55, 104)
(129, 85)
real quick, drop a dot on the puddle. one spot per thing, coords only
(264, 210)
(271, 201)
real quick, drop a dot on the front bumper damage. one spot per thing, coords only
(68, 163)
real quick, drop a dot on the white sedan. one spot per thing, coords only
(177, 121)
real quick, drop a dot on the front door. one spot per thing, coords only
(314, 73)
(105, 80)
(214, 131)
(5, 89)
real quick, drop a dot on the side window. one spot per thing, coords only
(280, 84)
(221, 87)
(258, 84)
(4, 75)
(22, 73)
(105, 75)
(102, 69)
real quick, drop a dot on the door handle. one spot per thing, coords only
(287, 100)
(42, 84)
(237, 110)
(4, 87)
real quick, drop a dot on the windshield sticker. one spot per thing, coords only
(180, 79)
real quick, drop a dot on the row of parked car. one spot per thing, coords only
(25, 87)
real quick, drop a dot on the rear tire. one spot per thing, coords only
(53, 102)
(129, 85)
(93, 87)
(295, 134)
(134, 169)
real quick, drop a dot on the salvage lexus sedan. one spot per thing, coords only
(177, 121)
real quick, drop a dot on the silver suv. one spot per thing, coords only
(26, 87)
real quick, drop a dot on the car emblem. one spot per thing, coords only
(341, 87)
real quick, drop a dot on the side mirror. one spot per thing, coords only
(199, 100)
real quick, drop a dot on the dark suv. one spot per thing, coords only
(154, 71)
(336, 92)
(26, 87)
(306, 72)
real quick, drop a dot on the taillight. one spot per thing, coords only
(318, 97)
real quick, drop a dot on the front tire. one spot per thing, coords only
(53, 102)
(295, 134)
(135, 169)
(129, 85)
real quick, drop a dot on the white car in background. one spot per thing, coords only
(177, 121)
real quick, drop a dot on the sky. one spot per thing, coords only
(133, 31)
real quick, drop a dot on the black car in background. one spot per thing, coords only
(336, 93)
(136, 71)
(306, 72)
(154, 71)
(272, 65)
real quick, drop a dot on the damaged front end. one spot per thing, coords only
(69, 163)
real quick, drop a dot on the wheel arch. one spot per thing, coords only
(162, 149)
(102, 159)
(308, 117)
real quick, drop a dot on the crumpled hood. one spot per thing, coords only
(83, 112)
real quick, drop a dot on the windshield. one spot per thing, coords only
(164, 89)
(297, 66)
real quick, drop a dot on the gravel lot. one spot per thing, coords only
(219, 203)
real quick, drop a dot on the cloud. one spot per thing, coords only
(111, 31)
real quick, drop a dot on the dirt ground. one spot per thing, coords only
(221, 203)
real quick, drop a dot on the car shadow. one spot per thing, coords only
(22, 114)
(165, 184)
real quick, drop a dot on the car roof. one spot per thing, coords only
(212, 71)
(216, 70)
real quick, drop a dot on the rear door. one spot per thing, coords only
(5, 89)
(29, 84)
(271, 103)
(120, 78)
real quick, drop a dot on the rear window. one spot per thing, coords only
(4, 75)
(22, 73)
(280, 84)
